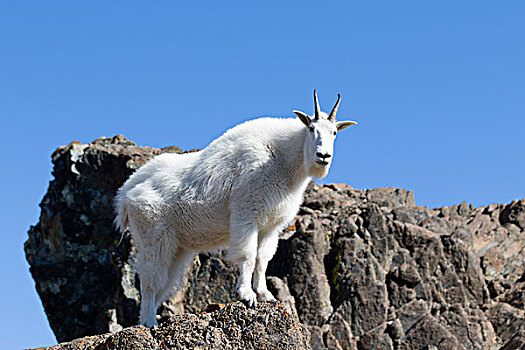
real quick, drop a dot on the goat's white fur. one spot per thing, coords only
(241, 190)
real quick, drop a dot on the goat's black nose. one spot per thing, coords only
(323, 155)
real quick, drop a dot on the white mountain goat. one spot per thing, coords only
(241, 190)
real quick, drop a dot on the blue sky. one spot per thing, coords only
(437, 88)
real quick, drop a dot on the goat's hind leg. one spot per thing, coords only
(176, 272)
(152, 277)
(153, 263)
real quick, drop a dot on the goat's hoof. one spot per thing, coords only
(247, 297)
(249, 304)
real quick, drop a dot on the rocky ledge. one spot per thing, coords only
(231, 326)
(362, 269)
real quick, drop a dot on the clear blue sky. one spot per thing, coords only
(438, 89)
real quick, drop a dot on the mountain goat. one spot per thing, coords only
(241, 190)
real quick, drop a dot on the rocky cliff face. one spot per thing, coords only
(363, 269)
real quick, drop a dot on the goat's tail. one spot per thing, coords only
(121, 219)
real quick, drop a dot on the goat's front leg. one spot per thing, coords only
(243, 252)
(265, 251)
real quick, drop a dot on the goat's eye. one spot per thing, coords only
(335, 132)
(311, 128)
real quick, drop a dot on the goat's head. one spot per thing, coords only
(320, 137)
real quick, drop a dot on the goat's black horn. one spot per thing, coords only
(317, 108)
(331, 117)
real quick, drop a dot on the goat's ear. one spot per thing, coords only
(344, 124)
(304, 118)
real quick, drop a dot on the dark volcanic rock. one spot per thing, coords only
(363, 269)
(85, 279)
(227, 327)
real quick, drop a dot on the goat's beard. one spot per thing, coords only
(319, 172)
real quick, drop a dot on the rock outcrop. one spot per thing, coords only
(228, 327)
(363, 269)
